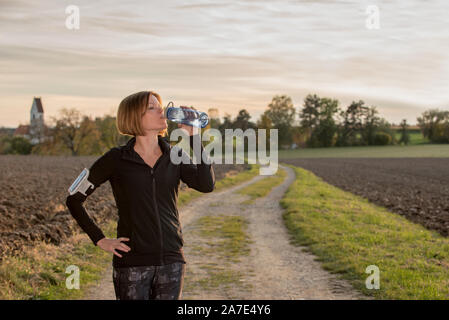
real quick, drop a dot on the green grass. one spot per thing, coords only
(348, 234)
(416, 138)
(413, 151)
(39, 271)
(262, 187)
(227, 242)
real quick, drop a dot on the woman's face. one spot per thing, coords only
(153, 118)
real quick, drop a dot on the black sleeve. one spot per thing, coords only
(200, 176)
(99, 173)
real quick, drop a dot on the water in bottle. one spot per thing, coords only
(186, 116)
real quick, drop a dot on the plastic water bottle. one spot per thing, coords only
(186, 116)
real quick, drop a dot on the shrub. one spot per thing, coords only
(20, 145)
(5, 144)
(382, 139)
(14, 145)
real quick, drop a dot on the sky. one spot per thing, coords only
(227, 55)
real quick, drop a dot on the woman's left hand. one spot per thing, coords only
(191, 130)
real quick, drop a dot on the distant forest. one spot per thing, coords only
(319, 122)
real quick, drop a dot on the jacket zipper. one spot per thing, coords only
(157, 212)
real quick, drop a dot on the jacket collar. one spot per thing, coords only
(129, 153)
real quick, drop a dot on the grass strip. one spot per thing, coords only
(227, 242)
(348, 233)
(262, 187)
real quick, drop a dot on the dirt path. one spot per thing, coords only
(276, 269)
(284, 271)
(105, 288)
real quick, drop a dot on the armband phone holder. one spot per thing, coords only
(81, 183)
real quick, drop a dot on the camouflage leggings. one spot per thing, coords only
(149, 282)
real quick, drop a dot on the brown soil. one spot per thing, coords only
(417, 188)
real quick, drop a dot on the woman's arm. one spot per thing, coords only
(200, 176)
(99, 173)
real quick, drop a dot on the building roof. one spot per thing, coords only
(22, 130)
(39, 105)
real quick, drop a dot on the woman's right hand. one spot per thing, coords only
(111, 245)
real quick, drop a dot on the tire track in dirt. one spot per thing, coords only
(276, 269)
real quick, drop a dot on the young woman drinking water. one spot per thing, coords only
(148, 260)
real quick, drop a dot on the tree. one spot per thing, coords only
(326, 129)
(433, 123)
(214, 119)
(109, 135)
(227, 124)
(310, 112)
(441, 133)
(282, 115)
(75, 132)
(351, 124)
(405, 137)
(242, 121)
(360, 124)
(371, 124)
(309, 116)
(299, 136)
(264, 123)
(317, 120)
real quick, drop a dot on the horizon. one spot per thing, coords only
(221, 117)
(229, 56)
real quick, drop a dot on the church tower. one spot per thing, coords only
(37, 126)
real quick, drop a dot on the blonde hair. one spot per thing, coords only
(130, 111)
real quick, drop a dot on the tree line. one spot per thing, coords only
(321, 123)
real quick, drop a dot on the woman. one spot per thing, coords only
(148, 260)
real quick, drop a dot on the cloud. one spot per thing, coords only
(205, 5)
(228, 55)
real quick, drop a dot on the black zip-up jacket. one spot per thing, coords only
(146, 199)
